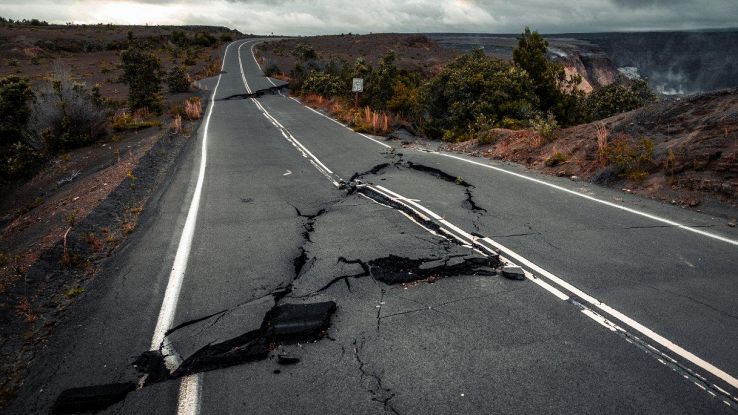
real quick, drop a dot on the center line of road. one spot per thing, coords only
(533, 272)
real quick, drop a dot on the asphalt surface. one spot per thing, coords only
(619, 313)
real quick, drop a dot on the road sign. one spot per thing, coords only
(357, 85)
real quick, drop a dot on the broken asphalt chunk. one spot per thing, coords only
(151, 363)
(300, 322)
(91, 398)
(284, 359)
(394, 269)
(513, 272)
(283, 323)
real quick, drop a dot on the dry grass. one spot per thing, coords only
(602, 142)
(364, 120)
(193, 108)
(175, 126)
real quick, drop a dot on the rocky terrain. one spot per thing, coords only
(694, 159)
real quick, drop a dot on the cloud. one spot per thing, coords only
(293, 17)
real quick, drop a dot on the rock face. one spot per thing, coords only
(674, 63)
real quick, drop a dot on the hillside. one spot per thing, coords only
(694, 159)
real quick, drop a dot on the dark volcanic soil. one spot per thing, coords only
(414, 52)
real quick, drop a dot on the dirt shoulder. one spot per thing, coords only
(59, 228)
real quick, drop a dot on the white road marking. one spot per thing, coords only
(287, 173)
(594, 199)
(189, 392)
(563, 286)
(189, 395)
(542, 182)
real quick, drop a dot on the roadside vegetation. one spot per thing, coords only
(528, 109)
(471, 95)
(91, 118)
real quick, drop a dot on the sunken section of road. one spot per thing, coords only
(427, 258)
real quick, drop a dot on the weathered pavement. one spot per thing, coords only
(424, 323)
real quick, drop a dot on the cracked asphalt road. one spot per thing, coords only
(424, 322)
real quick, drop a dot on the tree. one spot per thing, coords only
(618, 97)
(178, 80)
(555, 92)
(379, 84)
(15, 94)
(475, 88)
(142, 74)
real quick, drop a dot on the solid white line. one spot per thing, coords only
(240, 64)
(176, 276)
(257, 64)
(189, 395)
(594, 199)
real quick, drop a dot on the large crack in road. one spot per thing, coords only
(302, 322)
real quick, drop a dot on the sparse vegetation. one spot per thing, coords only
(193, 108)
(18, 156)
(66, 114)
(555, 159)
(178, 80)
(142, 74)
(631, 159)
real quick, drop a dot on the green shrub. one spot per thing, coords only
(178, 80)
(322, 83)
(379, 83)
(304, 52)
(17, 157)
(20, 161)
(141, 72)
(179, 38)
(630, 159)
(546, 126)
(471, 86)
(15, 93)
(225, 37)
(618, 97)
(67, 114)
(555, 159)
(204, 39)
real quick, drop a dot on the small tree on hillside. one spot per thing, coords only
(555, 92)
(178, 80)
(15, 93)
(142, 74)
(380, 82)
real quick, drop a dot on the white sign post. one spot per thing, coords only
(357, 86)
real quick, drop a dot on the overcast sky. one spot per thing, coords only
(308, 17)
